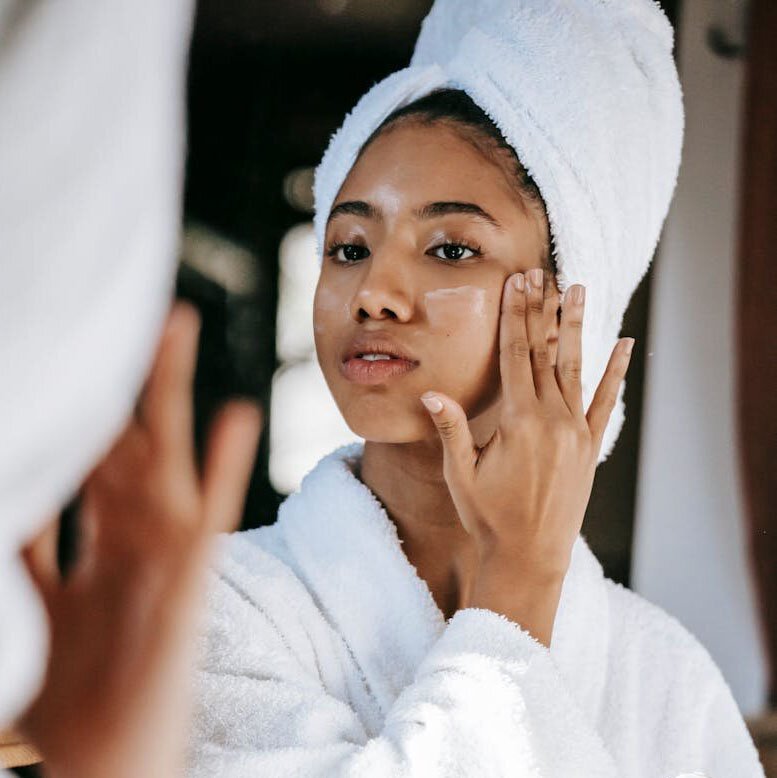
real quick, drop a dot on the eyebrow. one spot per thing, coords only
(354, 208)
(428, 211)
(435, 210)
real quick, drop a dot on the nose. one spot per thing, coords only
(384, 291)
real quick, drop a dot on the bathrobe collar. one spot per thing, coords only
(347, 551)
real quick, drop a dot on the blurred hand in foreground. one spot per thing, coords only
(116, 698)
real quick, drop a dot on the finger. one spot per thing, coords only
(40, 558)
(607, 392)
(459, 451)
(569, 360)
(128, 452)
(514, 361)
(543, 373)
(166, 404)
(229, 462)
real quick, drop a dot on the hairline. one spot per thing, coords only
(481, 141)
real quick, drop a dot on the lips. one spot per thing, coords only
(375, 361)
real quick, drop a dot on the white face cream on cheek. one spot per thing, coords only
(448, 309)
(462, 322)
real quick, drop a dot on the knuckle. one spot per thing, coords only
(537, 305)
(570, 371)
(447, 428)
(518, 348)
(541, 358)
(575, 322)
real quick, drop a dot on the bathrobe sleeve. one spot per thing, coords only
(487, 699)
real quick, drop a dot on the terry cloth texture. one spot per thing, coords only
(326, 655)
(587, 93)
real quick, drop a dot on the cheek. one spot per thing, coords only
(449, 309)
(331, 317)
(330, 307)
(464, 322)
(331, 312)
(464, 318)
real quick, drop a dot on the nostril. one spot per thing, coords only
(362, 314)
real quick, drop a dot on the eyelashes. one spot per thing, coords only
(448, 251)
(347, 253)
(455, 251)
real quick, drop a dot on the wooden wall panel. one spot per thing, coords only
(757, 316)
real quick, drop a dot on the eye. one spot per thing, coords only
(346, 253)
(454, 252)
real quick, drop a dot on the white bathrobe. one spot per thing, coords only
(326, 655)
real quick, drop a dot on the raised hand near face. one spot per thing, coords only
(523, 495)
(115, 701)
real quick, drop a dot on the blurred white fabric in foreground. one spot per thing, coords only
(91, 152)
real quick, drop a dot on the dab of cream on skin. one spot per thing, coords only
(445, 308)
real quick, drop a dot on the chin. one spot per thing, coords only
(380, 420)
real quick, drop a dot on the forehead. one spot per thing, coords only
(426, 162)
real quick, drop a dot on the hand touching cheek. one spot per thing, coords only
(523, 495)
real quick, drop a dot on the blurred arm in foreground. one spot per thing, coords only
(91, 152)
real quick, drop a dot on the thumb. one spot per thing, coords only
(457, 444)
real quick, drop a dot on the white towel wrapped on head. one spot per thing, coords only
(587, 93)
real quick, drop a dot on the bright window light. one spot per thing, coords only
(305, 424)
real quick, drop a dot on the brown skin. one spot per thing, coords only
(488, 485)
(116, 699)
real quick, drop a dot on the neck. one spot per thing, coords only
(408, 480)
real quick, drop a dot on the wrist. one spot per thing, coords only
(531, 603)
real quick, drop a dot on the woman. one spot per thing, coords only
(426, 606)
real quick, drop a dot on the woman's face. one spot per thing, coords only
(420, 240)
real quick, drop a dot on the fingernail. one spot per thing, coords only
(432, 402)
(579, 294)
(518, 281)
(628, 345)
(535, 276)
